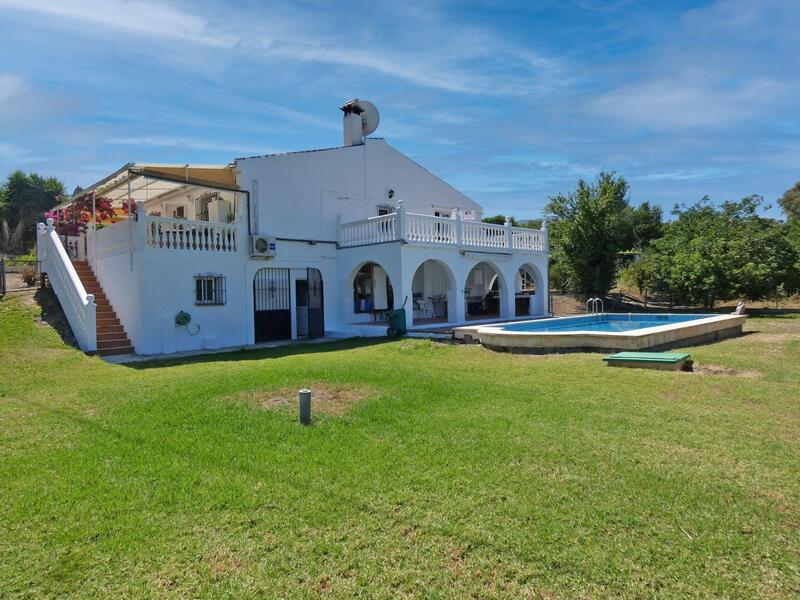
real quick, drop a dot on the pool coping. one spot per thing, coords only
(700, 330)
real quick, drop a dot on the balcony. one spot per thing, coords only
(452, 232)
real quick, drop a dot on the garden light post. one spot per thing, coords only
(305, 406)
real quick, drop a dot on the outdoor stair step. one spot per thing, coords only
(119, 342)
(109, 330)
(105, 320)
(115, 351)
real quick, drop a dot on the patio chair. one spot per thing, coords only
(427, 310)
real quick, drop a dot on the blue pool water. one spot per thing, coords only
(607, 323)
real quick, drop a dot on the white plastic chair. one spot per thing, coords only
(427, 310)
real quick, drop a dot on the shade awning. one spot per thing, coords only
(148, 181)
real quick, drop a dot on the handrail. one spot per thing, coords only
(413, 228)
(78, 306)
(591, 306)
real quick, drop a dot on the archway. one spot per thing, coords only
(485, 292)
(371, 294)
(433, 291)
(529, 294)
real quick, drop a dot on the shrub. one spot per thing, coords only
(29, 274)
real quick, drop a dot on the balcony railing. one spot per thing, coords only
(180, 234)
(440, 231)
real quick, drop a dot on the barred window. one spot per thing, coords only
(209, 289)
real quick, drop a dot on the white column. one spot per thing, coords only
(458, 226)
(508, 233)
(400, 234)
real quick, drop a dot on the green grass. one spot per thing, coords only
(469, 473)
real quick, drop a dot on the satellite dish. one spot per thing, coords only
(369, 117)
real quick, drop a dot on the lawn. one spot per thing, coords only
(461, 473)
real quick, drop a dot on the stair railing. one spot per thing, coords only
(78, 306)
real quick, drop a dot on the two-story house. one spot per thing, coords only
(320, 243)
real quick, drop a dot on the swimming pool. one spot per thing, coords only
(645, 331)
(603, 322)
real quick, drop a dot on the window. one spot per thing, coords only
(209, 289)
(179, 213)
(385, 209)
(442, 213)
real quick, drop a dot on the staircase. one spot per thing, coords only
(111, 336)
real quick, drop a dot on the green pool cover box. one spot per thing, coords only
(663, 361)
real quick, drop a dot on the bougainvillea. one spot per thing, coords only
(74, 219)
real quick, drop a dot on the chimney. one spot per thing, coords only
(352, 123)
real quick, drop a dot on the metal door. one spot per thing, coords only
(272, 301)
(316, 308)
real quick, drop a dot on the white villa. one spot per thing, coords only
(320, 243)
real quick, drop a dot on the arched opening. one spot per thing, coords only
(527, 293)
(524, 291)
(483, 291)
(433, 293)
(372, 293)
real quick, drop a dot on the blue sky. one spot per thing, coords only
(511, 102)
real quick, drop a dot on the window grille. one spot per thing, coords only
(209, 289)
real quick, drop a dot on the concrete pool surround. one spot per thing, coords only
(512, 336)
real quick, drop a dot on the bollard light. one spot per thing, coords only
(305, 406)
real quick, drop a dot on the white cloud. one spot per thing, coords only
(138, 16)
(685, 102)
(11, 87)
(690, 174)
(427, 49)
(16, 155)
(186, 142)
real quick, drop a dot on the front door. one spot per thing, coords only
(272, 302)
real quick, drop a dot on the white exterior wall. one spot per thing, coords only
(300, 195)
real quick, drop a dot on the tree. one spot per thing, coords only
(790, 202)
(646, 224)
(708, 254)
(589, 227)
(23, 201)
(499, 220)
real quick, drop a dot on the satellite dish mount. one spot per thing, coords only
(360, 119)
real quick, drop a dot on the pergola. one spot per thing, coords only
(147, 181)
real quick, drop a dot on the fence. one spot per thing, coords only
(16, 274)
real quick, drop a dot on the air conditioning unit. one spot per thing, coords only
(262, 246)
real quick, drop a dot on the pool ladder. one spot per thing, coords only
(592, 304)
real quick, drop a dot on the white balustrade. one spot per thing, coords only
(426, 229)
(180, 234)
(528, 239)
(78, 306)
(430, 230)
(374, 230)
(483, 235)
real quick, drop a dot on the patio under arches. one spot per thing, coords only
(485, 292)
(528, 291)
(434, 293)
(370, 293)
